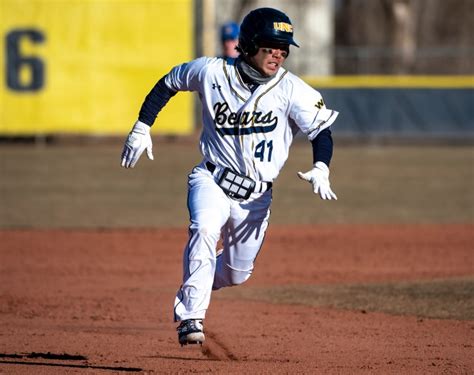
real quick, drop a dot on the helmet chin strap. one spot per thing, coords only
(251, 74)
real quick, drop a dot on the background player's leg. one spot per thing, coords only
(209, 210)
(243, 237)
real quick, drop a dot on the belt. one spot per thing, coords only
(260, 186)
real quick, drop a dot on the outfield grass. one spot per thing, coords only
(84, 186)
(439, 299)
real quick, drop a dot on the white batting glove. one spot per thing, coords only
(137, 141)
(319, 178)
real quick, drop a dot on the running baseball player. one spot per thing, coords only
(251, 111)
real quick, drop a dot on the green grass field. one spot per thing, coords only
(438, 299)
(84, 186)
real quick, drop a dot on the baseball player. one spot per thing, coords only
(229, 41)
(251, 111)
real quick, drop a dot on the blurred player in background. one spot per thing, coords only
(251, 110)
(229, 41)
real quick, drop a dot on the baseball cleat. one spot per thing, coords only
(191, 331)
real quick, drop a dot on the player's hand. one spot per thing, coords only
(137, 141)
(319, 178)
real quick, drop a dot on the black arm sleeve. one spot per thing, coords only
(155, 101)
(322, 147)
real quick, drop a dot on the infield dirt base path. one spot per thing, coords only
(100, 301)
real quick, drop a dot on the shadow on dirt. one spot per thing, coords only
(58, 357)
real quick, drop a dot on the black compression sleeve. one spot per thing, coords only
(155, 101)
(322, 147)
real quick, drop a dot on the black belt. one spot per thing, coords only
(257, 186)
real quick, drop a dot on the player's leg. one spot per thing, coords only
(209, 209)
(243, 236)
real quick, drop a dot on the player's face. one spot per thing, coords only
(269, 58)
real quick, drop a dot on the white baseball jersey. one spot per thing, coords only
(250, 132)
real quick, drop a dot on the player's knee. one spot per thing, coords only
(206, 230)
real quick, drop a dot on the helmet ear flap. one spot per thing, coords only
(248, 47)
(253, 48)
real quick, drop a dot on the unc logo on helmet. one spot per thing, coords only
(264, 25)
(283, 26)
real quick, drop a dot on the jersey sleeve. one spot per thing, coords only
(187, 76)
(308, 110)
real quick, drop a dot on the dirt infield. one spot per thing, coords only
(100, 301)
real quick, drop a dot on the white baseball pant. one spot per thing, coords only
(242, 225)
